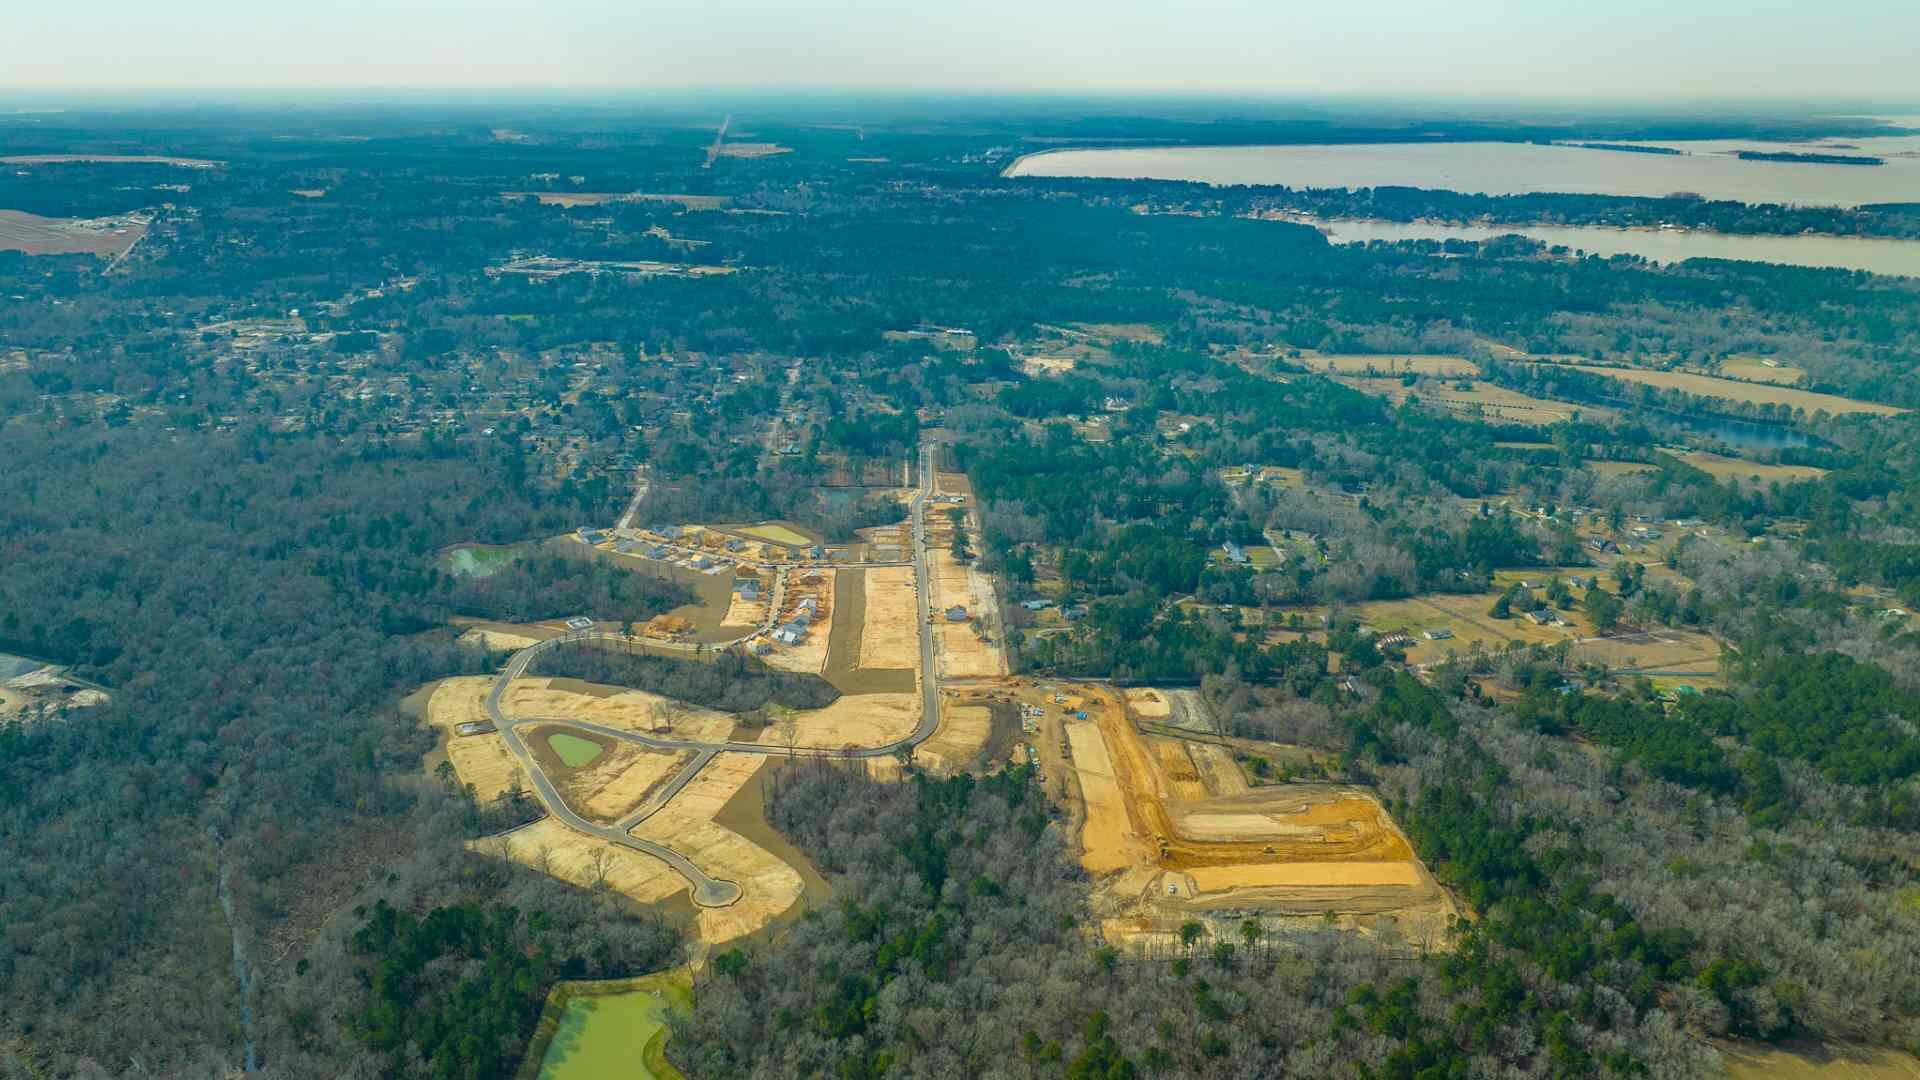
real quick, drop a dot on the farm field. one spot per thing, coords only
(37, 235)
(1721, 467)
(1390, 366)
(612, 1030)
(1754, 369)
(1486, 399)
(1727, 389)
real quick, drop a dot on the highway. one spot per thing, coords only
(709, 891)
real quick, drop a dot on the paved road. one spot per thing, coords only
(710, 891)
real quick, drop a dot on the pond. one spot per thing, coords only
(611, 1036)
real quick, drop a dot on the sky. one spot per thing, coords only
(1555, 50)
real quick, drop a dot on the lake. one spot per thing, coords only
(1660, 245)
(1705, 168)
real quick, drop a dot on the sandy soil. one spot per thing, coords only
(479, 760)
(1208, 879)
(890, 636)
(768, 886)
(853, 720)
(1218, 771)
(1182, 777)
(1107, 842)
(1148, 703)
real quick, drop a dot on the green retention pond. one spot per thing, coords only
(574, 750)
(612, 1030)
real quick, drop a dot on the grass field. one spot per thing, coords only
(1721, 467)
(778, 533)
(1620, 468)
(574, 750)
(1494, 402)
(1754, 369)
(612, 1030)
(1729, 390)
(1752, 1061)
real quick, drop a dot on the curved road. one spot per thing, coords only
(710, 891)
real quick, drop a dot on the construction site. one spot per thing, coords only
(1172, 828)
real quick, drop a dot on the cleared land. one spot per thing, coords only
(1728, 389)
(1368, 364)
(1755, 369)
(612, 706)
(1722, 467)
(889, 636)
(852, 720)
(963, 734)
(481, 761)
(962, 652)
(579, 859)
(768, 886)
(778, 533)
(35, 235)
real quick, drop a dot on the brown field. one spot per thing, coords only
(1494, 402)
(618, 782)
(1135, 332)
(889, 636)
(480, 761)
(1148, 703)
(1754, 369)
(1047, 365)
(1760, 394)
(109, 159)
(1804, 1061)
(1391, 366)
(965, 730)
(1621, 468)
(489, 637)
(611, 706)
(1677, 651)
(597, 198)
(853, 720)
(37, 235)
(1721, 467)
(768, 886)
(551, 847)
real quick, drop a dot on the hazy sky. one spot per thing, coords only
(1861, 50)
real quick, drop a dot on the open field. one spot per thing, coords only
(1755, 369)
(1486, 399)
(579, 859)
(37, 235)
(612, 706)
(618, 783)
(109, 159)
(482, 762)
(753, 149)
(1620, 468)
(1391, 366)
(1680, 652)
(1047, 365)
(889, 635)
(768, 886)
(597, 198)
(962, 653)
(1721, 467)
(1802, 1061)
(853, 720)
(966, 727)
(778, 532)
(1729, 390)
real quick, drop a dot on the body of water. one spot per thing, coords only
(1709, 169)
(1660, 245)
(1739, 433)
